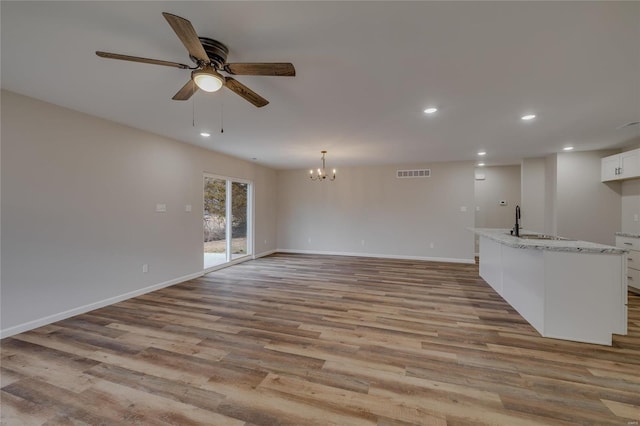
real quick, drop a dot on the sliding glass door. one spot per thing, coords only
(227, 220)
(239, 217)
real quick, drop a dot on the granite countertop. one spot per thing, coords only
(627, 234)
(502, 236)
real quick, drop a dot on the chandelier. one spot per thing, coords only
(321, 173)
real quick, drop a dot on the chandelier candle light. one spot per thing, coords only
(322, 174)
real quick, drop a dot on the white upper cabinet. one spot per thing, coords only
(630, 163)
(625, 165)
(610, 167)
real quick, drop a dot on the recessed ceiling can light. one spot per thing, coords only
(480, 164)
(567, 148)
(205, 134)
(430, 110)
(481, 153)
(528, 117)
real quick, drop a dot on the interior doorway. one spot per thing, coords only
(226, 220)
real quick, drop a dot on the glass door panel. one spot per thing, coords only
(227, 220)
(215, 221)
(239, 219)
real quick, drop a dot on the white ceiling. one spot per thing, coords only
(365, 72)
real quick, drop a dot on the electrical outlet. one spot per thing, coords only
(463, 208)
(145, 268)
(187, 208)
(362, 243)
(309, 240)
(431, 245)
(635, 217)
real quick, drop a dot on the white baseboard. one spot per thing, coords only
(264, 253)
(381, 256)
(30, 325)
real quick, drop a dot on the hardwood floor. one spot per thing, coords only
(317, 340)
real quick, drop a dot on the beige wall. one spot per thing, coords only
(500, 183)
(368, 211)
(533, 194)
(631, 206)
(78, 209)
(562, 195)
(630, 190)
(550, 194)
(586, 208)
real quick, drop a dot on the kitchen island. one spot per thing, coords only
(566, 289)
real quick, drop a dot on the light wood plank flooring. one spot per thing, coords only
(317, 340)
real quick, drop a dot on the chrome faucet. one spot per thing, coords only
(516, 229)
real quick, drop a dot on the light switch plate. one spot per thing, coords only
(187, 208)
(161, 208)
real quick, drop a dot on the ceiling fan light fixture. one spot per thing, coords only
(208, 79)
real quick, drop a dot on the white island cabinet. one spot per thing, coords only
(631, 242)
(571, 290)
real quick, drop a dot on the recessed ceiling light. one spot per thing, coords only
(430, 110)
(480, 164)
(528, 117)
(568, 148)
(481, 153)
(205, 134)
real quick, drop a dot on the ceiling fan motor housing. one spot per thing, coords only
(216, 51)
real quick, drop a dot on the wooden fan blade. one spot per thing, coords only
(278, 68)
(186, 92)
(187, 35)
(245, 92)
(139, 59)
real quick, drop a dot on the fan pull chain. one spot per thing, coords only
(222, 113)
(193, 112)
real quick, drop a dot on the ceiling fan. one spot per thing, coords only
(210, 57)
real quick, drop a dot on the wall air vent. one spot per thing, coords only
(419, 173)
